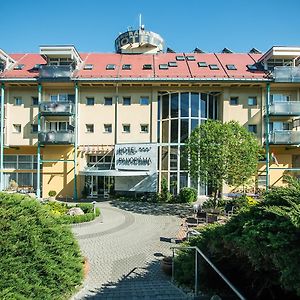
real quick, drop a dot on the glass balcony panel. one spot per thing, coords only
(291, 108)
(53, 72)
(56, 137)
(57, 108)
(286, 74)
(284, 137)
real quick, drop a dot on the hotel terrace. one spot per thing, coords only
(93, 124)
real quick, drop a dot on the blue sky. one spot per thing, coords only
(92, 25)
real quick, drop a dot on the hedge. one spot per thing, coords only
(40, 258)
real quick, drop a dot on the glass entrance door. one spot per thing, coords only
(100, 186)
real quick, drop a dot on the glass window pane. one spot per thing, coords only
(173, 183)
(203, 105)
(195, 104)
(173, 158)
(158, 131)
(183, 158)
(184, 130)
(211, 107)
(194, 124)
(184, 104)
(165, 131)
(216, 109)
(183, 180)
(174, 105)
(165, 106)
(25, 179)
(164, 158)
(25, 158)
(174, 131)
(158, 107)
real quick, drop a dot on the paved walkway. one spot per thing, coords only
(124, 251)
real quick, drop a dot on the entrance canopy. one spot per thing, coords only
(115, 173)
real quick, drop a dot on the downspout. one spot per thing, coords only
(2, 138)
(38, 174)
(76, 143)
(267, 132)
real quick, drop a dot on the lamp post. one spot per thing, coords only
(94, 206)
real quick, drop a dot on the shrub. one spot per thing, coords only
(259, 245)
(52, 193)
(164, 195)
(187, 195)
(86, 207)
(56, 208)
(40, 259)
(67, 219)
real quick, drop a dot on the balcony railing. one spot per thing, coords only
(56, 137)
(288, 108)
(55, 72)
(284, 137)
(57, 108)
(286, 74)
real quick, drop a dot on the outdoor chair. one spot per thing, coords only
(211, 219)
(201, 216)
(229, 210)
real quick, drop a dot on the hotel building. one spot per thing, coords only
(92, 124)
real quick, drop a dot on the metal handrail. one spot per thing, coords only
(197, 250)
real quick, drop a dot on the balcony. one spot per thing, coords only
(287, 108)
(55, 72)
(286, 74)
(57, 108)
(284, 137)
(56, 137)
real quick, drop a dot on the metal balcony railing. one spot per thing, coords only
(57, 108)
(286, 74)
(284, 137)
(288, 108)
(56, 137)
(54, 72)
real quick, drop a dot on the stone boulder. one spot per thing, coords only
(75, 211)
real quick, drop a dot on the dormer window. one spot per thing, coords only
(126, 67)
(214, 67)
(180, 58)
(147, 67)
(190, 58)
(110, 67)
(172, 64)
(231, 67)
(163, 67)
(88, 67)
(202, 64)
(19, 67)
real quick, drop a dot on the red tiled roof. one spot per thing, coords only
(185, 69)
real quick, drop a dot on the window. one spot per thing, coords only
(19, 67)
(144, 101)
(34, 128)
(90, 101)
(214, 67)
(180, 58)
(58, 126)
(35, 101)
(231, 67)
(172, 64)
(163, 67)
(126, 128)
(126, 67)
(147, 67)
(89, 128)
(17, 128)
(190, 57)
(202, 64)
(108, 128)
(252, 67)
(234, 101)
(252, 128)
(62, 98)
(18, 101)
(252, 101)
(110, 67)
(88, 67)
(108, 101)
(126, 101)
(145, 128)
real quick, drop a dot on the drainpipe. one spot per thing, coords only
(38, 177)
(267, 132)
(2, 138)
(76, 143)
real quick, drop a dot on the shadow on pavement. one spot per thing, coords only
(156, 209)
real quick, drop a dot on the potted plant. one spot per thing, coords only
(167, 264)
(52, 195)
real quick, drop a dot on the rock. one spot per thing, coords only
(75, 211)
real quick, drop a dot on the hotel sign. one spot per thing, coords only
(139, 157)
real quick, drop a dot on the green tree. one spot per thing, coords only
(222, 153)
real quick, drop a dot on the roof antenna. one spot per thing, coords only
(141, 27)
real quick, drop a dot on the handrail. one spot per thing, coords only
(211, 264)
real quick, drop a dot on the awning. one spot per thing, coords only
(115, 173)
